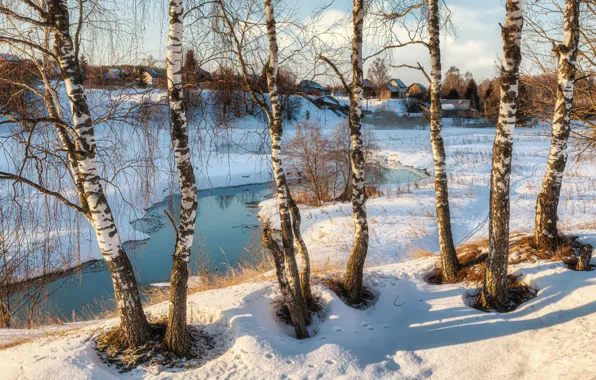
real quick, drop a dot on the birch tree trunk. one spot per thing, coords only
(305, 270)
(355, 266)
(296, 301)
(545, 231)
(449, 261)
(177, 338)
(494, 290)
(271, 245)
(134, 328)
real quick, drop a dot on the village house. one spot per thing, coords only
(155, 77)
(458, 108)
(369, 90)
(394, 89)
(416, 91)
(311, 88)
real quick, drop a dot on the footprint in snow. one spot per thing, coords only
(268, 356)
(329, 361)
(336, 328)
(288, 362)
(323, 337)
(370, 328)
(364, 324)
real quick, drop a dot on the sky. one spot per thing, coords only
(476, 49)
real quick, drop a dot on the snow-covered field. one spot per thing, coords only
(403, 220)
(414, 330)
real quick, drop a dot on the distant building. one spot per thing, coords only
(417, 91)
(111, 75)
(456, 104)
(311, 88)
(394, 89)
(155, 77)
(9, 59)
(458, 108)
(369, 90)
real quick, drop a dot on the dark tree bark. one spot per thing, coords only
(494, 290)
(305, 270)
(449, 261)
(177, 338)
(298, 319)
(296, 300)
(355, 266)
(545, 231)
(585, 256)
(134, 328)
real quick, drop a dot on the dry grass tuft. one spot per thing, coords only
(473, 256)
(420, 253)
(14, 343)
(154, 352)
(517, 294)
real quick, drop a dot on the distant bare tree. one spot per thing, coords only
(378, 73)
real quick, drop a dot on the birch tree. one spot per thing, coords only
(297, 301)
(494, 290)
(449, 261)
(295, 285)
(78, 141)
(177, 338)
(355, 267)
(545, 230)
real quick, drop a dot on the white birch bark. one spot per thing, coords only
(494, 290)
(355, 266)
(449, 261)
(545, 231)
(296, 301)
(133, 323)
(177, 338)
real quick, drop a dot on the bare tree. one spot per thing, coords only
(449, 261)
(79, 144)
(297, 303)
(545, 230)
(355, 266)
(494, 294)
(240, 35)
(378, 73)
(177, 338)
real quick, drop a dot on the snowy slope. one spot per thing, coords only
(414, 331)
(138, 161)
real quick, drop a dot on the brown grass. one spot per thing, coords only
(473, 256)
(154, 352)
(15, 342)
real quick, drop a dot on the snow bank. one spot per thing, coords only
(413, 331)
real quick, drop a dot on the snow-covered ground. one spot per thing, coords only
(403, 220)
(414, 331)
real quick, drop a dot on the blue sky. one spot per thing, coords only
(476, 49)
